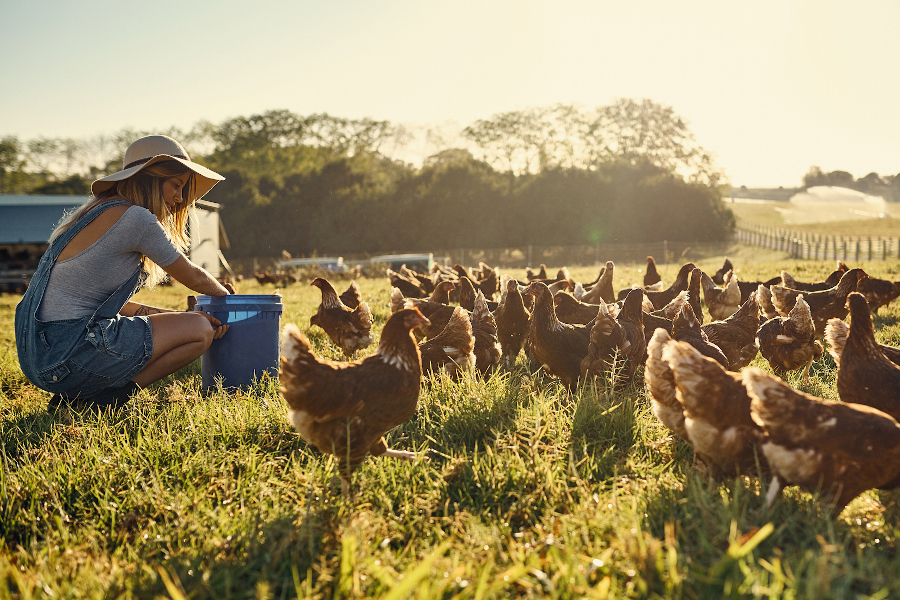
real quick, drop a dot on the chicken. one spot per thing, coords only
(452, 350)
(838, 449)
(789, 282)
(836, 336)
(694, 294)
(660, 299)
(409, 287)
(351, 296)
(790, 342)
(865, 375)
(749, 288)
(716, 411)
(878, 292)
(603, 290)
(651, 276)
(424, 281)
(512, 321)
(350, 329)
(719, 276)
(441, 293)
(539, 274)
(736, 335)
(824, 305)
(345, 408)
(652, 323)
(487, 346)
(661, 385)
(721, 302)
(686, 328)
(571, 311)
(619, 344)
(489, 282)
(466, 294)
(438, 314)
(671, 310)
(764, 301)
(559, 348)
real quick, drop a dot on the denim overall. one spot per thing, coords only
(81, 357)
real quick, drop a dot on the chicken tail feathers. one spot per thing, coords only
(836, 335)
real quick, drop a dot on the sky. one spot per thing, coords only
(769, 87)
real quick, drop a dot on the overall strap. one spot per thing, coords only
(57, 245)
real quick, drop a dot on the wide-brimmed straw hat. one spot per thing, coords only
(153, 149)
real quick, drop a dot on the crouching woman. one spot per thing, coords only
(78, 334)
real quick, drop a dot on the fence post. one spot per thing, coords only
(883, 250)
(870, 247)
(665, 252)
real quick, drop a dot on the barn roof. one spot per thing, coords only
(31, 219)
(28, 219)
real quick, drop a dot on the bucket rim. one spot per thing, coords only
(239, 298)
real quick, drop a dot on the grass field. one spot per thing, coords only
(529, 492)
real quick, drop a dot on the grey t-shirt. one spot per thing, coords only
(80, 284)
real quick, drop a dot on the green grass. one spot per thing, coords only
(528, 492)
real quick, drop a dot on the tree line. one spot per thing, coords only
(888, 187)
(558, 175)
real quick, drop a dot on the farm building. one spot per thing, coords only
(26, 223)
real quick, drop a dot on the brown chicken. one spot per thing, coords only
(466, 294)
(878, 292)
(831, 281)
(749, 288)
(441, 293)
(764, 301)
(716, 412)
(789, 343)
(686, 328)
(651, 276)
(452, 350)
(571, 311)
(840, 450)
(487, 345)
(865, 375)
(409, 287)
(345, 408)
(559, 348)
(721, 302)
(661, 385)
(618, 346)
(694, 294)
(438, 314)
(603, 290)
(824, 305)
(836, 333)
(489, 282)
(719, 276)
(513, 320)
(351, 296)
(660, 299)
(424, 281)
(349, 328)
(736, 335)
(539, 274)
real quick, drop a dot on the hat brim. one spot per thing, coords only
(205, 180)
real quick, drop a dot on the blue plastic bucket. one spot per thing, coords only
(250, 347)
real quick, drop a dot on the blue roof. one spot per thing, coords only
(31, 219)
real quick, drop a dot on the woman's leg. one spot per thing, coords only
(178, 339)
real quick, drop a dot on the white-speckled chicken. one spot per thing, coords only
(840, 450)
(349, 328)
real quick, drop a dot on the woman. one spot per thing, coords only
(78, 334)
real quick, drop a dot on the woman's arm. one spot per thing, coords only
(133, 309)
(195, 277)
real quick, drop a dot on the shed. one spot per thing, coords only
(26, 223)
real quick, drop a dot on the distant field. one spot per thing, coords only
(831, 218)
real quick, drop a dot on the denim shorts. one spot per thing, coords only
(110, 353)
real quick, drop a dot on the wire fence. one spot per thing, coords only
(814, 246)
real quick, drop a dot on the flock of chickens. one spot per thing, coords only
(738, 419)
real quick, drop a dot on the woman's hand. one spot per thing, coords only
(217, 324)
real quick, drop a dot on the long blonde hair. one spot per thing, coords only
(144, 189)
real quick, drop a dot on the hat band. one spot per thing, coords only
(143, 160)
